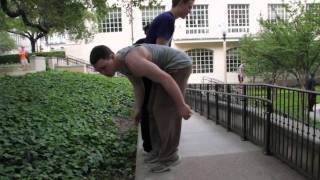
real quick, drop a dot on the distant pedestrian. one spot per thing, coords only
(311, 86)
(23, 55)
(241, 73)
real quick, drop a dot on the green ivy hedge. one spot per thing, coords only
(58, 125)
(14, 58)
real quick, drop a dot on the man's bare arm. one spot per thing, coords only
(139, 95)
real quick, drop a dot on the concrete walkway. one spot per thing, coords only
(209, 152)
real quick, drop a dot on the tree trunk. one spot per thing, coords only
(303, 78)
(306, 80)
(33, 45)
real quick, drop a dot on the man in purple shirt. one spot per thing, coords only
(160, 32)
(162, 27)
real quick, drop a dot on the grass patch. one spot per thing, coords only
(290, 103)
(60, 125)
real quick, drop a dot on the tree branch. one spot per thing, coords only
(40, 35)
(19, 33)
(20, 12)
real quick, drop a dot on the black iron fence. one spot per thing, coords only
(284, 121)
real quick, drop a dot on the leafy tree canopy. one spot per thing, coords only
(60, 16)
(36, 19)
(6, 42)
(286, 45)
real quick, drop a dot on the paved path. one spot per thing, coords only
(209, 152)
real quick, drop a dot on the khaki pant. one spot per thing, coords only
(164, 122)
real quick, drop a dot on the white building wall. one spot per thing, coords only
(218, 22)
(20, 41)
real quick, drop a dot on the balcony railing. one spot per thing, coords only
(284, 121)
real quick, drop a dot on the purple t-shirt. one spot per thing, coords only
(161, 26)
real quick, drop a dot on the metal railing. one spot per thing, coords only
(69, 61)
(284, 121)
(210, 80)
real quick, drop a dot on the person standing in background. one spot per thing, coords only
(312, 97)
(241, 73)
(23, 55)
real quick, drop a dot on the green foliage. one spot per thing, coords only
(9, 59)
(6, 43)
(58, 125)
(14, 58)
(51, 16)
(50, 54)
(285, 45)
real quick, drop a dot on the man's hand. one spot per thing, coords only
(185, 111)
(137, 115)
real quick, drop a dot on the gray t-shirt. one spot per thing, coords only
(165, 57)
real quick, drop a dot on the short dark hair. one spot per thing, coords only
(99, 52)
(176, 2)
(146, 28)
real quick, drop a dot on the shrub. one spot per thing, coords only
(14, 58)
(51, 54)
(9, 59)
(58, 125)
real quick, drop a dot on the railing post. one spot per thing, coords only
(195, 98)
(228, 108)
(244, 114)
(208, 101)
(201, 105)
(217, 103)
(268, 123)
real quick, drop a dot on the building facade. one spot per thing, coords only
(210, 34)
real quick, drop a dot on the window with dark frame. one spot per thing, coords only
(112, 21)
(238, 18)
(197, 21)
(149, 13)
(233, 60)
(203, 61)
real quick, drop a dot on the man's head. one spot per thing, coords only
(183, 7)
(102, 58)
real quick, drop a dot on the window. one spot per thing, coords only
(149, 13)
(277, 11)
(202, 60)
(238, 18)
(233, 60)
(112, 22)
(197, 21)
